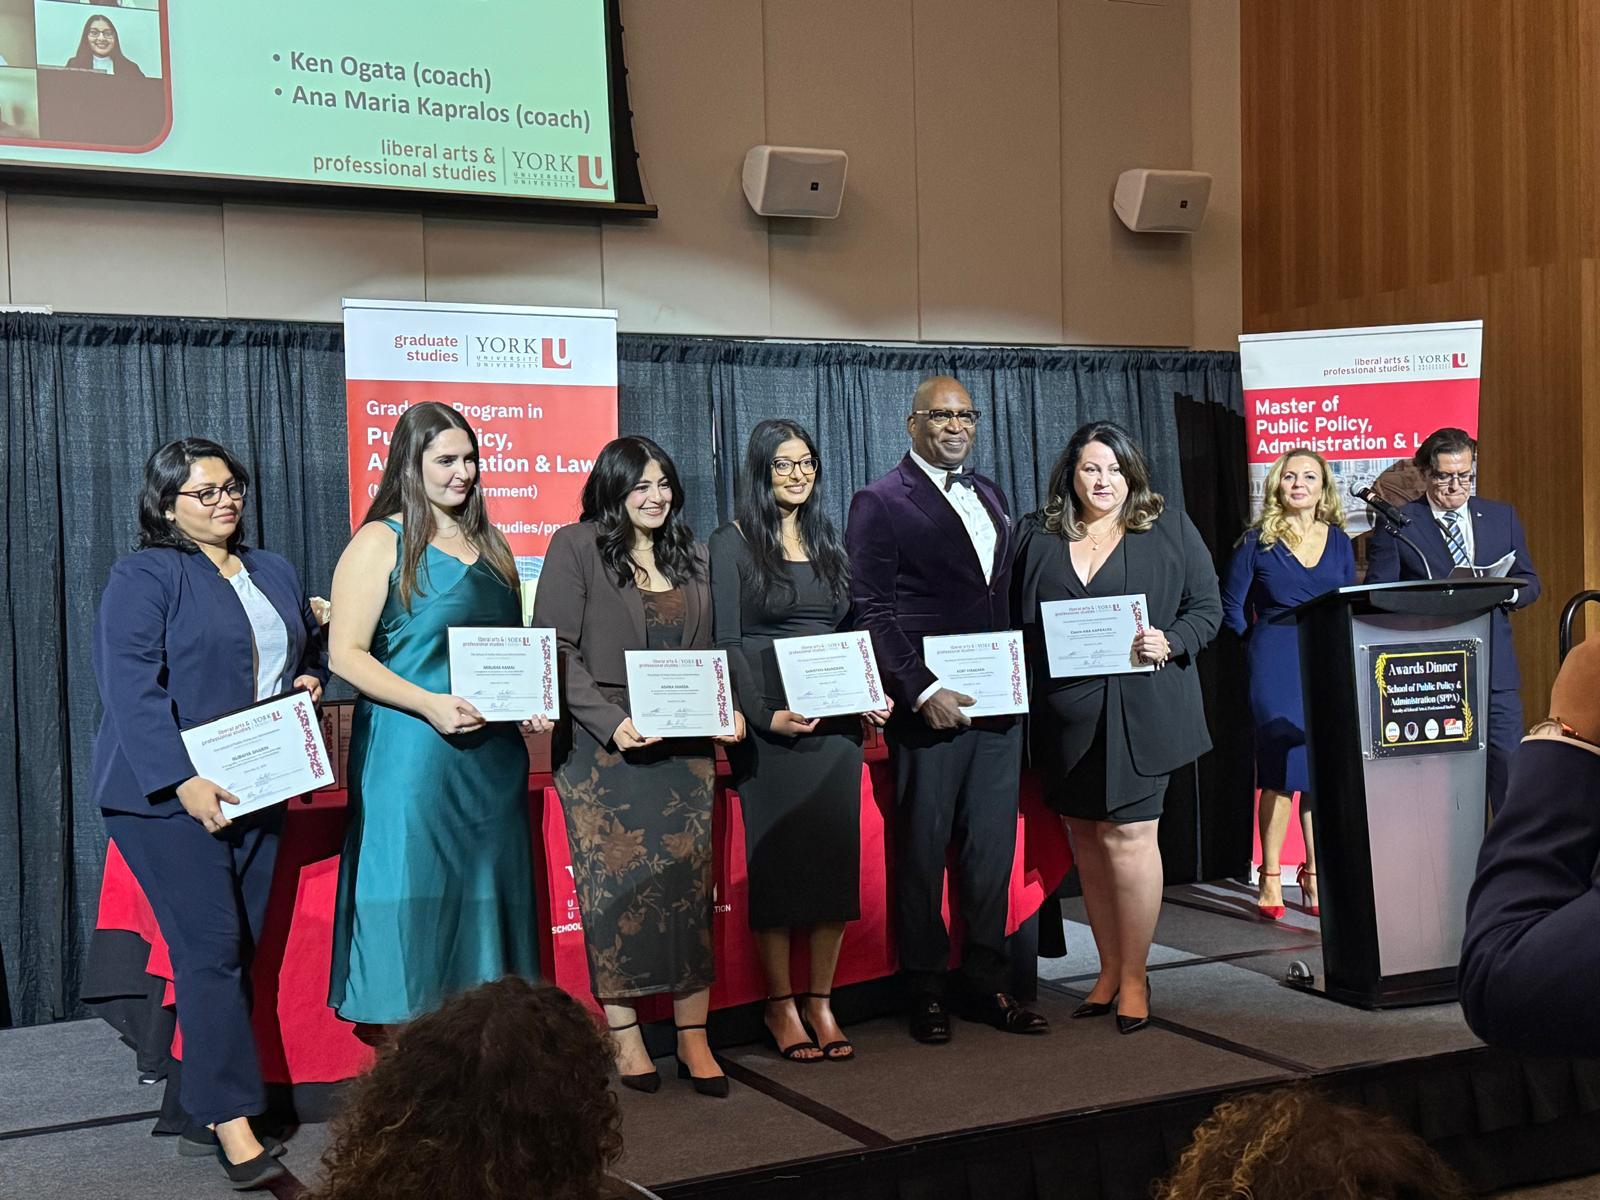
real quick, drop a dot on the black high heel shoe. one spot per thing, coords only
(1134, 1024)
(1093, 1008)
(706, 1085)
(647, 1081)
(843, 1050)
(797, 1051)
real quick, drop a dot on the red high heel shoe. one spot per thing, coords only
(1300, 881)
(1270, 912)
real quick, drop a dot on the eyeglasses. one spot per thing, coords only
(940, 417)
(211, 496)
(788, 466)
(102, 35)
(1464, 478)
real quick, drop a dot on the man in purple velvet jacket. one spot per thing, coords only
(930, 553)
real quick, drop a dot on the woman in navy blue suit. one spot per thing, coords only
(1295, 551)
(192, 626)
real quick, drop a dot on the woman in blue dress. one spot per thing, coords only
(436, 880)
(1296, 550)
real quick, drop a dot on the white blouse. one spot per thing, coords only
(268, 632)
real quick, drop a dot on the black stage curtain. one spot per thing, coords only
(88, 398)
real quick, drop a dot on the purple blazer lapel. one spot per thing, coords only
(924, 495)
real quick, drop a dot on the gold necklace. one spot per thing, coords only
(1096, 542)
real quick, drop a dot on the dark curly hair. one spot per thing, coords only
(1294, 1143)
(501, 1093)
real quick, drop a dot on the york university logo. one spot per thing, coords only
(592, 172)
(554, 354)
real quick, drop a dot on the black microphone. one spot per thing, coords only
(1381, 506)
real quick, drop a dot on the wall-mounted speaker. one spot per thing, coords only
(1150, 201)
(795, 181)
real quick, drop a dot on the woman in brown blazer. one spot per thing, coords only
(630, 576)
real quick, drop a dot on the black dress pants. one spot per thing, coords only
(209, 894)
(956, 785)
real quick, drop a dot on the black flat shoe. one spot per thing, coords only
(190, 1146)
(706, 1085)
(1005, 1014)
(930, 1023)
(1134, 1024)
(258, 1172)
(647, 1082)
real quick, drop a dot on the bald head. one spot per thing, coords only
(940, 410)
(937, 388)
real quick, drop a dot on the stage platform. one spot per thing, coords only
(1083, 1112)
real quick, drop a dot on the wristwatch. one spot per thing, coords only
(1557, 726)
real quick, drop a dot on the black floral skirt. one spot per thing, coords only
(639, 827)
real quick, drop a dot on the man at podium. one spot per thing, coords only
(1456, 530)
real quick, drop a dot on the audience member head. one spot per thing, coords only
(193, 495)
(634, 498)
(1299, 482)
(942, 422)
(430, 482)
(1448, 460)
(1293, 1144)
(782, 472)
(1102, 471)
(500, 1094)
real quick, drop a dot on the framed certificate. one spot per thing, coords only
(506, 674)
(680, 693)
(1093, 636)
(985, 666)
(263, 754)
(829, 674)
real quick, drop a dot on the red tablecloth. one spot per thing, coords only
(302, 1041)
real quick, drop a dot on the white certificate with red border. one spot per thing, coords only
(263, 754)
(680, 693)
(829, 674)
(986, 666)
(507, 674)
(1094, 636)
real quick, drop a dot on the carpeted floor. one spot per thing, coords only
(70, 1104)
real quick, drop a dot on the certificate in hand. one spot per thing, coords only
(829, 674)
(262, 754)
(985, 666)
(1094, 636)
(680, 693)
(507, 674)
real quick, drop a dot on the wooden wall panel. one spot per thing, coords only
(1422, 160)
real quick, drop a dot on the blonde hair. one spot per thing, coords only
(1273, 523)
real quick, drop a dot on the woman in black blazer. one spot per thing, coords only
(195, 625)
(1105, 744)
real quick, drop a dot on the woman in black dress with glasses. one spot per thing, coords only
(780, 571)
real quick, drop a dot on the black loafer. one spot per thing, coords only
(930, 1023)
(1005, 1014)
(258, 1172)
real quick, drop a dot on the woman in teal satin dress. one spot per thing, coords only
(436, 881)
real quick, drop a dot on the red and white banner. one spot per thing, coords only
(1362, 398)
(538, 385)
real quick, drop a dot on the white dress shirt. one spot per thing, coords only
(975, 519)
